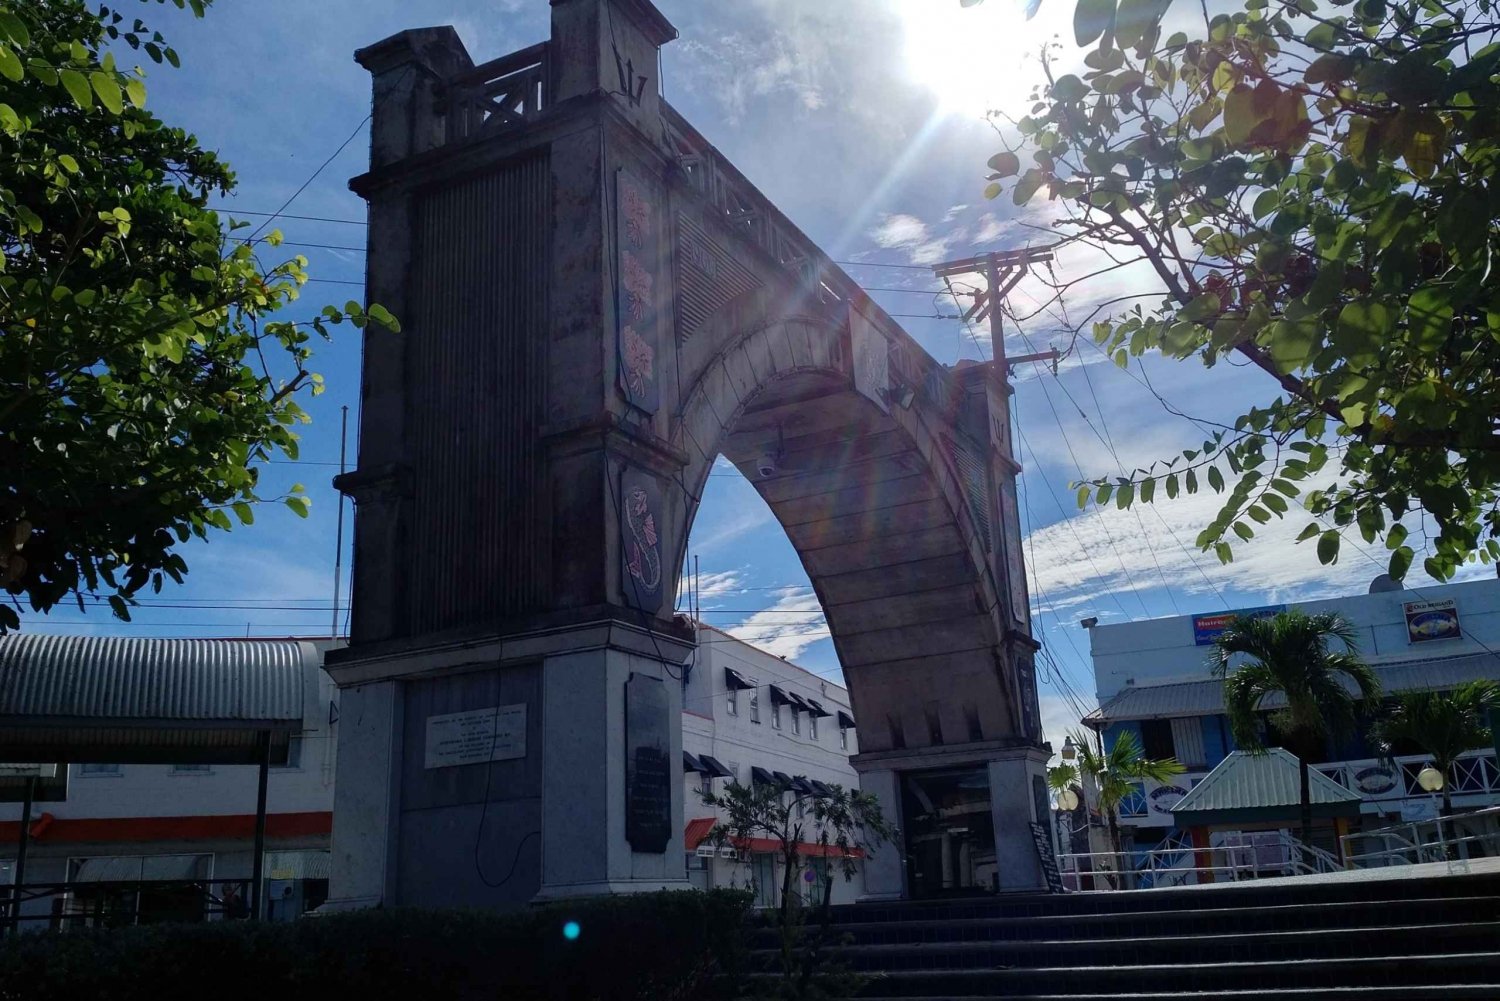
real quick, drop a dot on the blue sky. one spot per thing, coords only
(862, 120)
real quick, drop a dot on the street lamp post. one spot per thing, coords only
(1431, 780)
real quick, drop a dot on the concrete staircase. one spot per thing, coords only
(1410, 939)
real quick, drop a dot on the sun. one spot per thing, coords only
(972, 59)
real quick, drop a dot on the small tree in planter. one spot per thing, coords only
(840, 827)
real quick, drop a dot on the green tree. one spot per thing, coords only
(1314, 185)
(1290, 654)
(841, 827)
(143, 372)
(1111, 775)
(1443, 724)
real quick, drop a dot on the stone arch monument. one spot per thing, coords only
(596, 305)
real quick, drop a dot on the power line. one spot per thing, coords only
(312, 177)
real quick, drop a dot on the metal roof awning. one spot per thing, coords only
(1252, 788)
(821, 788)
(140, 868)
(692, 764)
(110, 699)
(735, 681)
(783, 779)
(1206, 698)
(715, 767)
(801, 784)
(845, 720)
(759, 776)
(779, 696)
(816, 708)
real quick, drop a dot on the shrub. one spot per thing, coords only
(670, 945)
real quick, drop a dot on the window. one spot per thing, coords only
(776, 715)
(1156, 739)
(732, 702)
(754, 706)
(812, 727)
(796, 721)
(98, 769)
(844, 738)
(192, 770)
(706, 784)
(293, 753)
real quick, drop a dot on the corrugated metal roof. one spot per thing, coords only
(1206, 698)
(1244, 781)
(114, 679)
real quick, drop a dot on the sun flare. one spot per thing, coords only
(972, 59)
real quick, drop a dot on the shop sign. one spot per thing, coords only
(1207, 628)
(1432, 620)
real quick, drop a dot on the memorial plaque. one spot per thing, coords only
(648, 761)
(1047, 858)
(476, 736)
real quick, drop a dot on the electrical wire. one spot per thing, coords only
(271, 217)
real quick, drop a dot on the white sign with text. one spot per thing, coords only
(476, 736)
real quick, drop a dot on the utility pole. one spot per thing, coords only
(1002, 271)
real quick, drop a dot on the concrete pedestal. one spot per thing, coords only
(1018, 798)
(547, 822)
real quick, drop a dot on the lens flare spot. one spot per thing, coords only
(571, 931)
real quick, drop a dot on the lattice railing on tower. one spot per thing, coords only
(501, 94)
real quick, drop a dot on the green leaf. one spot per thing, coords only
(1092, 18)
(68, 162)
(10, 65)
(119, 607)
(992, 190)
(108, 89)
(136, 90)
(300, 505)
(14, 29)
(1135, 19)
(1148, 491)
(78, 88)
(1396, 536)
(1243, 530)
(1069, 88)
(1216, 479)
(1240, 117)
(244, 512)
(1429, 318)
(1328, 547)
(1005, 164)
(1125, 495)
(1313, 528)
(1400, 562)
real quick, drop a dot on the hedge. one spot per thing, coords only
(657, 946)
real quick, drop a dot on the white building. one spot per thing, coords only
(123, 824)
(1153, 679)
(759, 719)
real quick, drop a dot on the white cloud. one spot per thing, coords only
(1100, 552)
(712, 585)
(787, 627)
(908, 233)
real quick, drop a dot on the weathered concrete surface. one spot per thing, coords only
(597, 305)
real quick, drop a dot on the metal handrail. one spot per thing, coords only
(1433, 840)
(220, 899)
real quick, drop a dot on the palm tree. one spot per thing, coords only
(1443, 724)
(1290, 653)
(1114, 774)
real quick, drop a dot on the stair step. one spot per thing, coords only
(1331, 944)
(1222, 897)
(1445, 992)
(1104, 927)
(1272, 977)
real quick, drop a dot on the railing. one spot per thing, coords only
(502, 93)
(116, 903)
(1475, 774)
(1157, 868)
(1176, 863)
(1458, 837)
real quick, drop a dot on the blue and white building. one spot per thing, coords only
(1153, 679)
